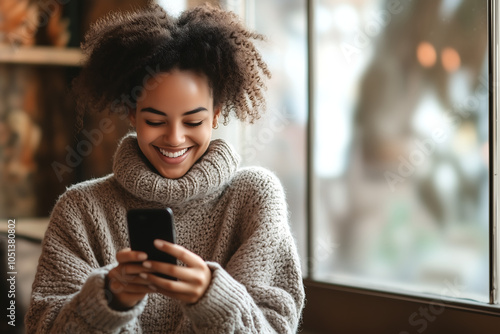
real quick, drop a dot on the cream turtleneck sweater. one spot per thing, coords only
(235, 219)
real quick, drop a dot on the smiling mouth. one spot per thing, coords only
(173, 154)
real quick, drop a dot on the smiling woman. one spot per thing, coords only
(174, 122)
(240, 269)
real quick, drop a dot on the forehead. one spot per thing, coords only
(176, 87)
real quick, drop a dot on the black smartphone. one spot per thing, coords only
(146, 225)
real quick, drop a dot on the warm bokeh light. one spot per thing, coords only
(426, 54)
(450, 59)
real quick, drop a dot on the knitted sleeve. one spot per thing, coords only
(68, 294)
(260, 290)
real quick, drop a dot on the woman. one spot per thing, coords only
(239, 269)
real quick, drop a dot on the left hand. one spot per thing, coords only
(193, 280)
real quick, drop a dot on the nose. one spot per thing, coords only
(175, 135)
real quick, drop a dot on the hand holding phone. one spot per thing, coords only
(146, 225)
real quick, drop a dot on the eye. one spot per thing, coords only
(194, 124)
(154, 123)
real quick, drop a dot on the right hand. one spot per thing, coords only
(124, 283)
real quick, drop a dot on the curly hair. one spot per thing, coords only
(122, 48)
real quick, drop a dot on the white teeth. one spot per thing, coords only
(174, 154)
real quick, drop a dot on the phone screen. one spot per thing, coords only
(146, 225)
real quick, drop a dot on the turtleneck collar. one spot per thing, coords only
(214, 169)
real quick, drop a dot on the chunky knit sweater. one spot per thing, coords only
(235, 219)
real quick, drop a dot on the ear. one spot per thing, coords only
(131, 116)
(215, 121)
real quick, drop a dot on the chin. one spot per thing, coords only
(172, 174)
(174, 177)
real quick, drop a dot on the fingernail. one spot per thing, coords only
(159, 243)
(142, 257)
(146, 264)
(152, 287)
(143, 275)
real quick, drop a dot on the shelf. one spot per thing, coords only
(41, 55)
(33, 228)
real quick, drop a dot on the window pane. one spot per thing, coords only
(173, 7)
(278, 140)
(401, 145)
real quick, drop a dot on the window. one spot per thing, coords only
(401, 181)
(397, 180)
(278, 140)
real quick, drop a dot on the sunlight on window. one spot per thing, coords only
(401, 179)
(173, 7)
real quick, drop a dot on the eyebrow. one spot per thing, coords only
(190, 112)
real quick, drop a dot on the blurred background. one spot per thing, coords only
(395, 193)
(401, 144)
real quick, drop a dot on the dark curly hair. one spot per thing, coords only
(122, 48)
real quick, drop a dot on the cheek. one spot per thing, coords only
(205, 135)
(144, 133)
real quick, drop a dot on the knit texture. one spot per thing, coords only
(235, 219)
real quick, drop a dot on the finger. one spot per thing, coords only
(132, 279)
(119, 284)
(168, 285)
(181, 273)
(179, 252)
(133, 268)
(117, 274)
(127, 255)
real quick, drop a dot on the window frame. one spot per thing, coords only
(493, 44)
(341, 309)
(333, 305)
